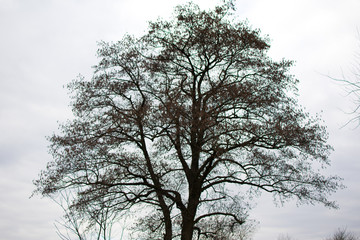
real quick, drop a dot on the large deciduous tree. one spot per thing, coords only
(183, 124)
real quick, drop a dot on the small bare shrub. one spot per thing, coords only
(285, 237)
(343, 234)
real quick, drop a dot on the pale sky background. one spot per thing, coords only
(44, 44)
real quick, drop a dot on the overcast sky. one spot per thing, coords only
(44, 44)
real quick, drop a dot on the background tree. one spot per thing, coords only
(343, 234)
(94, 223)
(183, 125)
(352, 87)
(284, 237)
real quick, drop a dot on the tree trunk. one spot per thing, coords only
(188, 216)
(187, 227)
(168, 225)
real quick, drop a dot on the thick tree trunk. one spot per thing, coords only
(187, 227)
(188, 216)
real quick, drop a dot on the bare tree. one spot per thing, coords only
(343, 234)
(284, 237)
(351, 85)
(184, 124)
(83, 224)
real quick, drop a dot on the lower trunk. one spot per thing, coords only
(188, 219)
(187, 228)
(188, 215)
